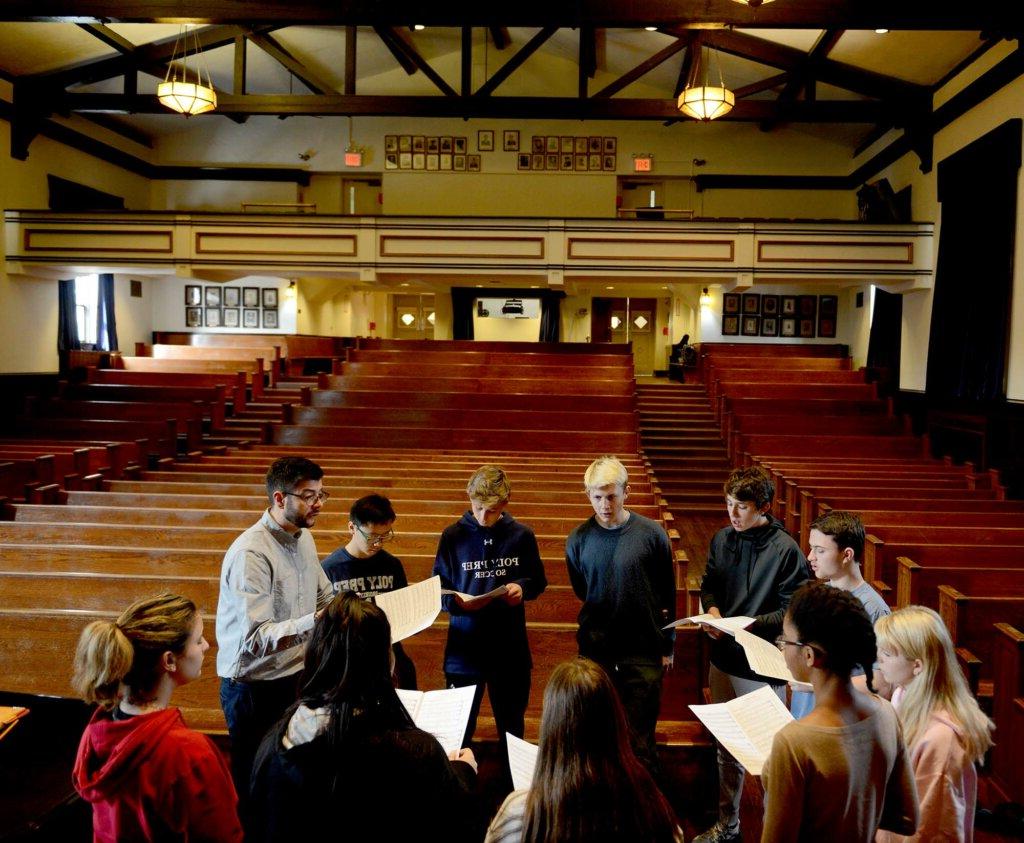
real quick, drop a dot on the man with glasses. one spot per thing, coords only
(363, 566)
(271, 589)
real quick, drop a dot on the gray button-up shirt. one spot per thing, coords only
(271, 583)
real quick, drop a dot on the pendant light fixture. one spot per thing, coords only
(183, 90)
(700, 99)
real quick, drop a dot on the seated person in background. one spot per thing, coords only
(754, 566)
(348, 756)
(836, 545)
(487, 644)
(587, 785)
(842, 772)
(363, 566)
(147, 775)
(946, 731)
(682, 354)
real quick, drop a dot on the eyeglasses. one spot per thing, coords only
(374, 539)
(782, 643)
(310, 497)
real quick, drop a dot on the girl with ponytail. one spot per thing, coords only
(842, 771)
(147, 775)
(945, 729)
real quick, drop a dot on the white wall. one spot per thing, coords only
(134, 315)
(168, 301)
(506, 330)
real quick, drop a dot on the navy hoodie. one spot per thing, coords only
(474, 560)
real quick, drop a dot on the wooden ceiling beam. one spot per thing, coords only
(500, 36)
(239, 69)
(109, 37)
(405, 46)
(514, 63)
(391, 42)
(646, 66)
(317, 84)
(350, 60)
(803, 78)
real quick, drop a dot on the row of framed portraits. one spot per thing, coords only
(231, 317)
(221, 296)
(778, 326)
(798, 307)
(565, 161)
(431, 161)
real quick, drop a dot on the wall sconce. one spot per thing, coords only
(705, 298)
(291, 292)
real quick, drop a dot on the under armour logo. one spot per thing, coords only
(488, 541)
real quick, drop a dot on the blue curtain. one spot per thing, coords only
(106, 324)
(67, 324)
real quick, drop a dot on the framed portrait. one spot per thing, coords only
(751, 326)
(390, 160)
(730, 326)
(537, 161)
(232, 296)
(826, 326)
(405, 143)
(445, 161)
(806, 328)
(250, 296)
(193, 295)
(213, 317)
(769, 326)
(523, 161)
(459, 146)
(212, 297)
(610, 145)
(788, 326)
(552, 144)
(551, 161)
(787, 305)
(446, 144)
(731, 303)
(459, 162)
(594, 162)
(193, 317)
(510, 140)
(419, 161)
(769, 305)
(595, 144)
(419, 143)
(270, 296)
(405, 160)
(752, 303)
(828, 305)
(608, 162)
(485, 140)
(473, 163)
(270, 318)
(391, 143)
(230, 317)
(566, 162)
(565, 144)
(537, 144)
(250, 318)
(433, 145)
(580, 146)
(807, 307)
(433, 161)
(581, 161)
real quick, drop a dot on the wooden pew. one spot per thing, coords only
(919, 584)
(882, 549)
(479, 386)
(455, 400)
(969, 620)
(213, 398)
(142, 437)
(569, 349)
(297, 351)
(235, 382)
(426, 369)
(505, 359)
(255, 374)
(1008, 710)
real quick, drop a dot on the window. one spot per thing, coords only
(86, 302)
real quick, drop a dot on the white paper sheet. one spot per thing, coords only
(522, 758)
(500, 591)
(763, 657)
(411, 609)
(746, 725)
(729, 625)
(444, 714)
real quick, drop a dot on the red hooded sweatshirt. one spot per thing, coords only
(151, 778)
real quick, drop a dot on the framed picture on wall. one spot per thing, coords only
(270, 296)
(485, 140)
(250, 317)
(828, 306)
(751, 326)
(473, 163)
(232, 296)
(510, 141)
(230, 317)
(730, 326)
(788, 305)
(193, 317)
(806, 328)
(807, 307)
(788, 326)
(769, 326)
(752, 303)
(826, 326)
(250, 296)
(769, 305)
(212, 297)
(459, 145)
(270, 318)
(213, 317)
(193, 295)
(731, 303)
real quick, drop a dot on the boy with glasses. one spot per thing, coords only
(363, 566)
(271, 589)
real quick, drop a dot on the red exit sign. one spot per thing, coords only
(643, 164)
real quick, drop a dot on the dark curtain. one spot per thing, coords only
(67, 324)
(550, 317)
(462, 312)
(106, 324)
(967, 346)
(886, 332)
(462, 309)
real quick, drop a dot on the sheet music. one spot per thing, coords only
(746, 725)
(411, 609)
(763, 657)
(522, 758)
(475, 598)
(445, 714)
(729, 625)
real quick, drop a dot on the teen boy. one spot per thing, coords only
(753, 568)
(620, 566)
(487, 645)
(365, 567)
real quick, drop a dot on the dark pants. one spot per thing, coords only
(639, 688)
(509, 692)
(251, 709)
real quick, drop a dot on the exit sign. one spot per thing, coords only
(643, 164)
(353, 159)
